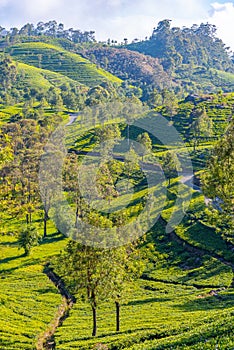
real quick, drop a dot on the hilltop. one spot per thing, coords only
(186, 60)
(194, 56)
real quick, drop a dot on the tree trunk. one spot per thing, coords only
(94, 321)
(128, 135)
(77, 216)
(117, 306)
(45, 224)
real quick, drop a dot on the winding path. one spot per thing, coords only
(47, 341)
(197, 250)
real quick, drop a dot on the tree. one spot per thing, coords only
(100, 274)
(48, 184)
(8, 72)
(6, 152)
(131, 266)
(131, 164)
(72, 181)
(218, 181)
(131, 111)
(107, 136)
(171, 165)
(145, 140)
(28, 238)
(155, 99)
(21, 172)
(105, 183)
(27, 30)
(89, 271)
(201, 127)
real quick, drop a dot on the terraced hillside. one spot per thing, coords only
(58, 60)
(33, 77)
(183, 300)
(28, 301)
(218, 107)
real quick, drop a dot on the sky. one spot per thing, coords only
(119, 19)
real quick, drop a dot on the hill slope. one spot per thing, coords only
(41, 78)
(58, 60)
(190, 55)
(133, 66)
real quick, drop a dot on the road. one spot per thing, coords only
(185, 179)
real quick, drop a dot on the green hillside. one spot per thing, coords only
(195, 56)
(172, 305)
(137, 141)
(58, 60)
(38, 78)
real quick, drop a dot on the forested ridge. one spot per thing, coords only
(94, 276)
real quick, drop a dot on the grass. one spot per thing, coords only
(28, 300)
(41, 78)
(171, 307)
(56, 59)
(167, 310)
(154, 310)
(7, 111)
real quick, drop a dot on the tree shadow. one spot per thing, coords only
(145, 301)
(124, 332)
(12, 258)
(10, 244)
(209, 302)
(47, 290)
(52, 239)
(26, 264)
(202, 276)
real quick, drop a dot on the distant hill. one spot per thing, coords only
(56, 59)
(43, 79)
(185, 60)
(194, 56)
(197, 45)
(129, 65)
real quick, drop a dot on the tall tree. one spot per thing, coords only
(90, 271)
(145, 140)
(218, 181)
(28, 238)
(171, 165)
(201, 127)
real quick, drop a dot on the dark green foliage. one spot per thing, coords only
(193, 55)
(50, 29)
(197, 45)
(28, 238)
(218, 183)
(171, 165)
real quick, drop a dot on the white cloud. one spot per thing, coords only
(120, 18)
(222, 16)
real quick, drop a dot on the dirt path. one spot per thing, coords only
(47, 341)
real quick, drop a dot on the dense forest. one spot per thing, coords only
(116, 188)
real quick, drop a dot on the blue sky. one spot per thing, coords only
(118, 19)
